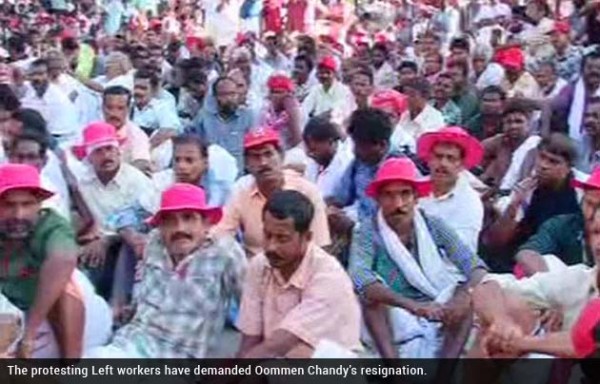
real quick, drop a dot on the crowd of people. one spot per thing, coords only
(382, 178)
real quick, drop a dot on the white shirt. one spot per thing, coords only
(56, 202)
(461, 209)
(338, 99)
(429, 120)
(385, 77)
(328, 178)
(56, 108)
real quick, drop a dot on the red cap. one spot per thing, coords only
(472, 148)
(328, 62)
(22, 177)
(261, 137)
(511, 58)
(585, 332)
(280, 83)
(398, 169)
(592, 183)
(388, 98)
(185, 197)
(195, 42)
(561, 26)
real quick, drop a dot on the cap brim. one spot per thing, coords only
(423, 186)
(212, 214)
(43, 194)
(584, 185)
(473, 149)
(261, 142)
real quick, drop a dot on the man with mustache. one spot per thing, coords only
(263, 154)
(295, 294)
(187, 281)
(63, 317)
(589, 145)
(411, 271)
(448, 153)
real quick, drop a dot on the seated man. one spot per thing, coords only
(412, 268)
(562, 235)
(539, 197)
(63, 317)
(187, 281)
(211, 168)
(295, 295)
(264, 161)
(448, 153)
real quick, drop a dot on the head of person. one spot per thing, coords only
(361, 83)
(560, 36)
(21, 197)
(190, 159)
(9, 104)
(287, 216)
(407, 71)
(448, 152)
(101, 148)
(393, 103)
(272, 42)
(242, 85)
(321, 139)
(590, 202)
(459, 69)
(183, 219)
(117, 64)
(443, 89)
(306, 46)
(38, 75)
(513, 62)
(140, 57)
(556, 154)
(116, 102)
(379, 54)
(515, 120)
(155, 56)
(591, 70)
(146, 85)
(17, 47)
(417, 92)
(70, 49)
(434, 62)
(56, 64)
(493, 99)
(460, 49)
(429, 43)
(20, 120)
(536, 10)
(482, 54)
(303, 66)
(370, 130)
(196, 83)
(396, 189)
(326, 71)
(227, 94)
(263, 155)
(280, 87)
(173, 50)
(545, 74)
(241, 58)
(591, 118)
(30, 148)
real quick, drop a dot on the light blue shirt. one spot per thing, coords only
(158, 114)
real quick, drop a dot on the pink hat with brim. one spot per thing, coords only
(15, 177)
(473, 150)
(94, 135)
(592, 182)
(399, 170)
(185, 197)
(260, 137)
(584, 334)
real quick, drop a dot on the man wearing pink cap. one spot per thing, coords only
(567, 56)
(187, 281)
(63, 315)
(412, 271)
(448, 153)
(264, 161)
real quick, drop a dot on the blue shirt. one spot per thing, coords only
(158, 114)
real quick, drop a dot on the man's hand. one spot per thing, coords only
(430, 311)
(500, 336)
(552, 320)
(93, 254)
(457, 308)
(339, 222)
(25, 348)
(137, 241)
(522, 190)
(160, 137)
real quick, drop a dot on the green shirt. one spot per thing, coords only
(561, 236)
(19, 269)
(468, 104)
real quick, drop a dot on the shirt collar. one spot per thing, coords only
(299, 278)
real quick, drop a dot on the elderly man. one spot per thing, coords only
(264, 161)
(449, 152)
(295, 295)
(63, 317)
(187, 281)
(411, 270)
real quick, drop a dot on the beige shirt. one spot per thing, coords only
(136, 145)
(570, 289)
(429, 120)
(316, 303)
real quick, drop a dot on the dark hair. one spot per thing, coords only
(463, 65)
(219, 81)
(196, 75)
(381, 47)
(310, 64)
(365, 71)
(33, 135)
(516, 106)
(185, 139)
(439, 57)
(593, 100)
(148, 73)
(8, 100)
(69, 44)
(17, 43)
(409, 65)
(460, 43)
(32, 120)
(494, 89)
(593, 55)
(320, 129)
(116, 90)
(39, 63)
(287, 204)
(561, 145)
(370, 125)
(420, 85)
(445, 75)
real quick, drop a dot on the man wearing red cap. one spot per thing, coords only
(408, 283)
(449, 153)
(187, 281)
(567, 56)
(282, 112)
(40, 254)
(263, 155)
(518, 82)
